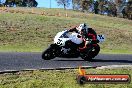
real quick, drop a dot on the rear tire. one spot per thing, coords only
(95, 52)
(86, 57)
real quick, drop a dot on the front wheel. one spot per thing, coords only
(49, 54)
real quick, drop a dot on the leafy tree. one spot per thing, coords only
(65, 3)
(101, 6)
(127, 11)
(76, 4)
(96, 7)
(85, 4)
(82, 4)
(21, 3)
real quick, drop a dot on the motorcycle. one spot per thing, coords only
(73, 45)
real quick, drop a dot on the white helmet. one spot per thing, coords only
(82, 28)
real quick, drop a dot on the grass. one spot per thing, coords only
(57, 79)
(24, 31)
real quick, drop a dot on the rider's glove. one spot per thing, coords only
(88, 42)
(66, 30)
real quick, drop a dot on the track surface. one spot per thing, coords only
(21, 61)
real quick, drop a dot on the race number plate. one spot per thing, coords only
(101, 38)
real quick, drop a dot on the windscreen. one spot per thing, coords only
(64, 35)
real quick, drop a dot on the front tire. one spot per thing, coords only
(49, 54)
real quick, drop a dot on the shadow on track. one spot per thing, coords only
(69, 60)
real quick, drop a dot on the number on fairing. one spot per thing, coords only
(59, 42)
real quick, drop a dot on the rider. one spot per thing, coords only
(88, 34)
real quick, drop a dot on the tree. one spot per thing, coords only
(127, 11)
(32, 3)
(85, 4)
(82, 4)
(65, 3)
(76, 4)
(96, 5)
(101, 6)
(21, 3)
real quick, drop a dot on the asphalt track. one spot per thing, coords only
(22, 61)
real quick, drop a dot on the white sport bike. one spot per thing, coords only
(67, 44)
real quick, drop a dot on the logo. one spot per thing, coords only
(83, 78)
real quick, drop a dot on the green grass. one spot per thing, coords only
(114, 51)
(26, 32)
(57, 79)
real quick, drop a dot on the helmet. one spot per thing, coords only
(82, 28)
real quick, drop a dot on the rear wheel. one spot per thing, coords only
(89, 55)
(95, 51)
(86, 56)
